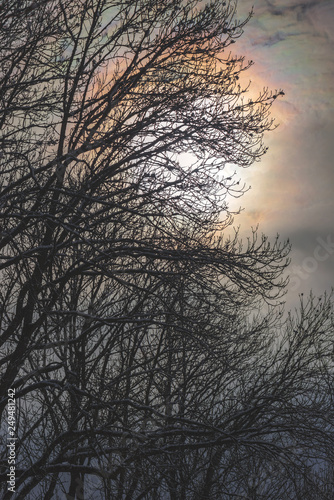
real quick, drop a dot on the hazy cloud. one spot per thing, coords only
(292, 44)
(284, 8)
(268, 40)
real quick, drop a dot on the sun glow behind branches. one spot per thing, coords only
(198, 159)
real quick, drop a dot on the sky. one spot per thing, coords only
(292, 45)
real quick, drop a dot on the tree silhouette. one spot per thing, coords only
(123, 312)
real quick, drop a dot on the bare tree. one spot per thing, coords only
(92, 181)
(204, 402)
(123, 314)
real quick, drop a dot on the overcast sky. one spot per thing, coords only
(292, 44)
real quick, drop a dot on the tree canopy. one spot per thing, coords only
(132, 329)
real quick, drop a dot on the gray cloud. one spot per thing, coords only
(277, 37)
(281, 8)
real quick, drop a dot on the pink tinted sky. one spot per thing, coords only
(292, 44)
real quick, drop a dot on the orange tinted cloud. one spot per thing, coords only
(292, 44)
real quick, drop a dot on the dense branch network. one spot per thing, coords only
(125, 312)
